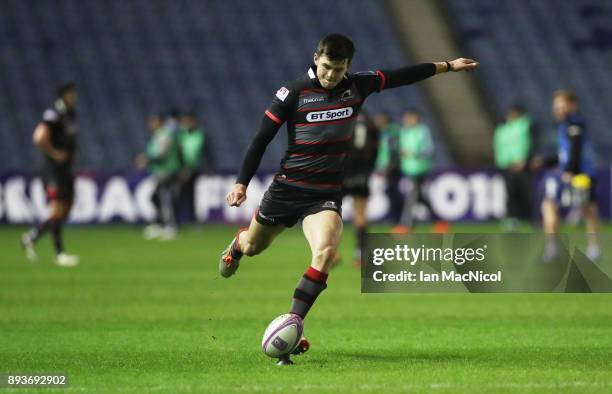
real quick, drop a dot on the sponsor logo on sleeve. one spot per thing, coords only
(282, 93)
(332, 114)
(309, 100)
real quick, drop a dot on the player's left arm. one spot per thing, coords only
(374, 81)
(408, 75)
(460, 64)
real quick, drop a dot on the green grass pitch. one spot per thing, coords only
(140, 316)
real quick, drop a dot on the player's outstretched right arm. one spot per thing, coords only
(278, 112)
(266, 133)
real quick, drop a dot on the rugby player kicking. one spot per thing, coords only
(320, 109)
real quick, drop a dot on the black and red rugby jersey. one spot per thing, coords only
(62, 124)
(320, 126)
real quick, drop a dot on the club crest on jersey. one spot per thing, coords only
(282, 93)
(332, 114)
(346, 95)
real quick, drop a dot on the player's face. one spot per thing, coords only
(70, 98)
(381, 121)
(512, 114)
(330, 72)
(562, 108)
(189, 122)
(154, 123)
(410, 119)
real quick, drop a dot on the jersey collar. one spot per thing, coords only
(312, 74)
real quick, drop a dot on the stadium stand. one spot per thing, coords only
(223, 60)
(528, 49)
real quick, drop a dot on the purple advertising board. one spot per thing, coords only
(455, 195)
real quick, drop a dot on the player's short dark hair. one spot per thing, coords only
(567, 94)
(336, 47)
(65, 88)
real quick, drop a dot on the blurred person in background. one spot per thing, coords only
(416, 152)
(164, 162)
(55, 136)
(359, 165)
(574, 182)
(172, 120)
(388, 163)
(192, 145)
(512, 147)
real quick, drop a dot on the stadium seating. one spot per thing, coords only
(528, 49)
(223, 60)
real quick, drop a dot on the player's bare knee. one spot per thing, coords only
(57, 215)
(64, 215)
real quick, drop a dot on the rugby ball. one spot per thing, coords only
(282, 335)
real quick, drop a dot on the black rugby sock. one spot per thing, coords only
(308, 289)
(56, 233)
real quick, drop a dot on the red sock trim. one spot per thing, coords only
(316, 275)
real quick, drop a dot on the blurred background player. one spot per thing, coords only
(387, 163)
(358, 166)
(574, 182)
(192, 145)
(55, 136)
(416, 153)
(512, 146)
(163, 159)
(172, 120)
